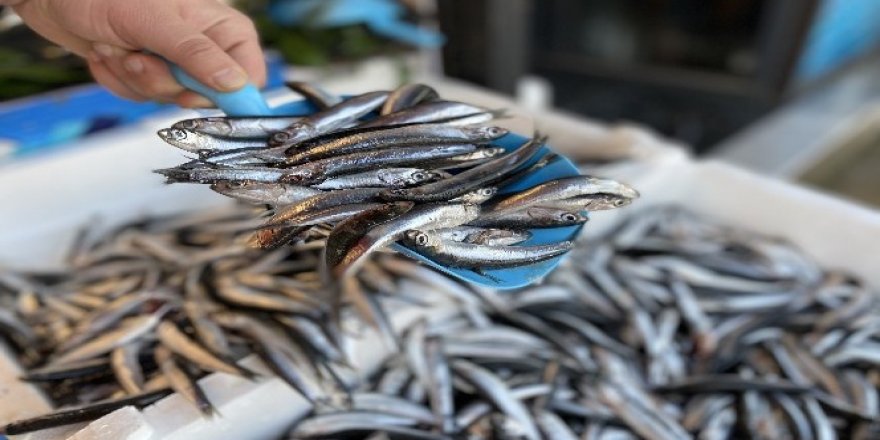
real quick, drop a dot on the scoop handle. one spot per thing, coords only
(246, 101)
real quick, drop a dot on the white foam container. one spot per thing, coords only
(42, 202)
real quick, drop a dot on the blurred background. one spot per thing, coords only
(784, 87)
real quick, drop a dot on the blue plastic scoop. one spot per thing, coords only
(249, 102)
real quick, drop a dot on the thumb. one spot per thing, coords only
(198, 55)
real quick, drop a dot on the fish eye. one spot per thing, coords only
(619, 202)
(487, 191)
(280, 137)
(419, 175)
(569, 217)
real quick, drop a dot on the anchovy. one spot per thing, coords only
(494, 389)
(175, 340)
(560, 189)
(470, 179)
(436, 111)
(215, 175)
(347, 233)
(317, 96)
(70, 370)
(317, 171)
(484, 236)
(391, 405)
(264, 193)
(82, 414)
(595, 202)
(275, 354)
(532, 218)
(203, 143)
(370, 310)
(129, 330)
(293, 214)
(182, 381)
(335, 424)
(440, 385)
(475, 197)
(237, 127)
(407, 96)
(329, 119)
(207, 331)
(312, 333)
(424, 216)
(479, 256)
(127, 368)
(392, 137)
(227, 290)
(382, 178)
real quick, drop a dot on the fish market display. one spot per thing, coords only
(390, 167)
(671, 327)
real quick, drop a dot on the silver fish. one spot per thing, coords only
(200, 142)
(479, 256)
(237, 127)
(384, 178)
(407, 96)
(329, 119)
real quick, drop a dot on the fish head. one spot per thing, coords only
(556, 217)
(488, 152)
(601, 202)
(486, 132)
(297, 130)
(613, 187)
(181, 138)
(479, 195)
(421, 239)
(215, 125)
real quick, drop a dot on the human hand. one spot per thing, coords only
(211, 41)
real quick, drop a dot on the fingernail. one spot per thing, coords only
(230, 79)
(133, 65)
(104, 50)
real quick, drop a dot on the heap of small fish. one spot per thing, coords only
(385, 167)
(672, 327)
(149, 307)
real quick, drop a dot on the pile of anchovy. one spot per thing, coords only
(672, 327)
(386, 167)
(149, 307)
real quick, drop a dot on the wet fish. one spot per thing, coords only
(236, 127)
(473, 256)
(560, 189)
(437, 111)
(264, 193)
(424, 216)
(317, 171)
(329, 119)
(382, 178)
(392, 137)
(204, 143)
(406, 96)
(182, 381)
(468, 180)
